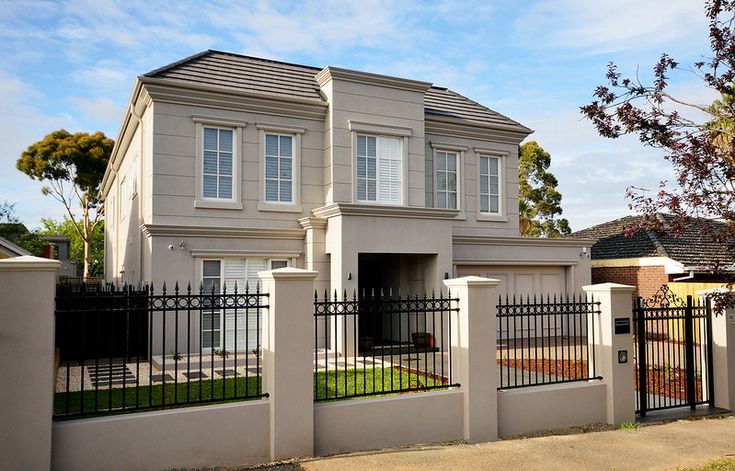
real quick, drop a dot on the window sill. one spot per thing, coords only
(204, 204)
(492, 217)
(279, 207)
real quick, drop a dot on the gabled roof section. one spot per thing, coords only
(282, 79)
(692, 248)
(11, 249)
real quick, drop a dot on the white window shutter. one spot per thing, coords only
(235, 273)
(254, 266)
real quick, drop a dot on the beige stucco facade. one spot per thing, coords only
(162, 229)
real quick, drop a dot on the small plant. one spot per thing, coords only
(178, 356)
(224, 354)
(629, 426)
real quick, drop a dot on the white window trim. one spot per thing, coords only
(217, 203)
(460, 186)
(501, 215)
(404, 166)
(295, 133)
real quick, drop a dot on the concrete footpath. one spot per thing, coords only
(666, 446)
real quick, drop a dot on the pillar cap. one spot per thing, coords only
(472, 281)
(288, 274)
(611, 287)
(29, 263)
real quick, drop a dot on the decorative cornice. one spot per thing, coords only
(198, 118)
(279, 128)
(361, 126)
(227, 99)
(514, 262)
(245, 253)
(313, 223)
(450, 127)
(222, 232)
(521, 241)
(351, 209)
(335, 73)
(445, 146)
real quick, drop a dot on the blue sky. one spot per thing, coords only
(72, 65)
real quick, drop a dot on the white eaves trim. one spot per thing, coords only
(671, 266)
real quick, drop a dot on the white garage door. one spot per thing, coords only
(524, 281)
(521, 281)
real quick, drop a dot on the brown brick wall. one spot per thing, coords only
(647, 280)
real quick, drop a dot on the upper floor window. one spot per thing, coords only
(489, 184)
(217, 171)
(279, 163)
(446, 180)
(379, 169)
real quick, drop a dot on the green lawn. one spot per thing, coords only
(722, 464)
(153, 396)
(331, 385)
(336, 384)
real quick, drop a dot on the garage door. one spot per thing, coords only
(521, 281)
(524, 281)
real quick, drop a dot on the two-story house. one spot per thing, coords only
(227, 165)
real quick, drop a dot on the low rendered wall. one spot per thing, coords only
(206, 436)
(550, 407)
(368, 424)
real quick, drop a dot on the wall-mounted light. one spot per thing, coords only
(182, 245)
(584, 253)
(446, 275)
(349, 275)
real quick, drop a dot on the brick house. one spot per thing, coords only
(648, 259)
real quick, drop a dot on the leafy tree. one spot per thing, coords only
(67, 228)
(12, 229)
(539, 200)
(701, 149)
(72, 166)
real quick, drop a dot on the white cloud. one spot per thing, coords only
(609, 26)
(22, 124)
(99, 109)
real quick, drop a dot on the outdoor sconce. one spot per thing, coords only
(182, 245)
(584, 253)
(349, 275)
(446, 275)
(622, 356)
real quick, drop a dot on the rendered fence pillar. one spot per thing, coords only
(616, 303)
(288, 349)
(723, 352)
(27, 290)
(473, 344)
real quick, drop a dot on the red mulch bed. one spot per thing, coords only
(562, 369)
(667, 382)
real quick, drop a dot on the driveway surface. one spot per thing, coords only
(659, 446)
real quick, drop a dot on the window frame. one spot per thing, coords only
(403, 170)
(235, 202)
(458, 175)
(501, 215)
(222, 283)
(294, 206)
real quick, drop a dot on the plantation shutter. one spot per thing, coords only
(389, 170)
(254, 266)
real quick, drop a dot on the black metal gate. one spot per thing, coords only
(672, 352)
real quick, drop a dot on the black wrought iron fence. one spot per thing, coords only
(126, 349)
(546, 340)
(378, 344)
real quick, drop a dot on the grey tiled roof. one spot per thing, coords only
(693, 247)
(255, 75)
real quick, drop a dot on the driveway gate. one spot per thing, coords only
(672, 352)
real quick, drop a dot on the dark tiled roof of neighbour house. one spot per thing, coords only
(280, 79)
(693, 247)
